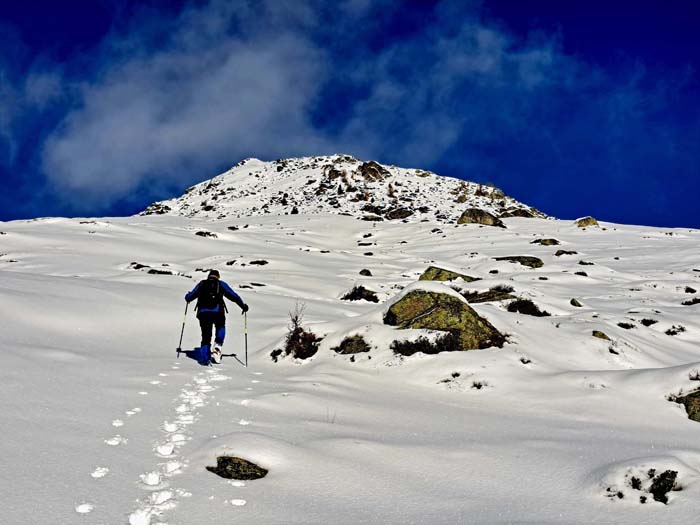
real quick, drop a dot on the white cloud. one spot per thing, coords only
(205, 99)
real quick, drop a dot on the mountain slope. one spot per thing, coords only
(336, 184)
(102, 423)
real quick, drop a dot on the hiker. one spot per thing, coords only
(211, 311)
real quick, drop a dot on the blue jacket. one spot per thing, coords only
(228, 293)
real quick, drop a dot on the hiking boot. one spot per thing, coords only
(216, 354)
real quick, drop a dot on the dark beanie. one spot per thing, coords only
(214, 273)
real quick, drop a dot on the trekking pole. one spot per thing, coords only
(245, 325)
(184, 319)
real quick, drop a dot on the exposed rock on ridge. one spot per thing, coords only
(337, 184)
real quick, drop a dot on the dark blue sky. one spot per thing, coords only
(576, 107)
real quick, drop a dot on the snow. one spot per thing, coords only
(88, 348)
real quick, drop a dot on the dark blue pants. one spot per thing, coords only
(209, 320)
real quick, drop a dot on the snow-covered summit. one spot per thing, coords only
(339, 184)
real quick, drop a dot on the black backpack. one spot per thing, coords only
(210, 295)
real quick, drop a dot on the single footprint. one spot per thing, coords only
(100, 472)
(115, 441)
(151, 479)
(141, 517)
(160, 497)
(238, 502)
(84, 508)
(117, 423)
(171, 467)
(179, 439)
(166, 449)
(185, 419)
(170, 427)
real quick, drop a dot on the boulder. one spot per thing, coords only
(516, 212)
(584, 222)
(447, 313)
(231, 467)
(600, 335)
(372, 171)
(546, 242)
(525, 260)
(477, 216)
(434, 273)
(398, 213)
(691, 402)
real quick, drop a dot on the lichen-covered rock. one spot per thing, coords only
(691, 402)
(477, 216)
(435, 273)
(231, 467)
(600, 335)
(584, 222)
(559, 253)
(575, 302)
(446, 313)
(525, 260)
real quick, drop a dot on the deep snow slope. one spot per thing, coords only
(335, 184)
(102, 424)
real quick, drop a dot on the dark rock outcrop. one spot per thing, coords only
(517, 212)
(354, 344)
(359, 293)
(231, 467)
(372, 171)
(546, 242)
(497, 293)
(600, 335)
(477, 216)
(398, 213)
(525, 260)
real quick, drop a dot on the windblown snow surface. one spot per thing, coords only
(103, 424)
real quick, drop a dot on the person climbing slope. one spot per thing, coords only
(211, 312)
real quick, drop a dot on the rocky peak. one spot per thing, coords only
(338, 184)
